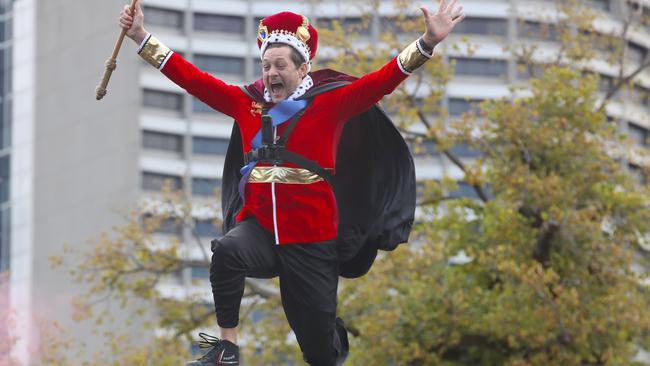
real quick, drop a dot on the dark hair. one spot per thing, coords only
(296, 57)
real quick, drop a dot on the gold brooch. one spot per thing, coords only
(262, 32)
(256, 108)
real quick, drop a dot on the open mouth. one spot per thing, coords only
(276, 87)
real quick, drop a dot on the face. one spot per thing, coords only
(280, 75)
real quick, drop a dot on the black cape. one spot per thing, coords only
(374, 183)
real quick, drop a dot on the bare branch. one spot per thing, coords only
(453, 158)
(622, 82)
(542, 250)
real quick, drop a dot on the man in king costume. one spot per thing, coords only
(316, 177)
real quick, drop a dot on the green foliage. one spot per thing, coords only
(547, 285)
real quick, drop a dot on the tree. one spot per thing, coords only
(555, 273)
(556, 276)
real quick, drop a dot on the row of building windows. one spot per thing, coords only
(463, 190)
(200, 186)
(480, 67)
(429, 148)
(219, 146)
(173, 101)
(456, 107)
(236, 24)
(227, 65)
(201, 228)
(201, 21)
(174, 143)
(469, 67)
(471, 25)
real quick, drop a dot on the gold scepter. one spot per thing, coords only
(111, 63)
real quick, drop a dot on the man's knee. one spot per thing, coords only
(224, 254)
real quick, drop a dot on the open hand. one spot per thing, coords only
(440, 24)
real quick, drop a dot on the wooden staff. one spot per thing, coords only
(111, 63)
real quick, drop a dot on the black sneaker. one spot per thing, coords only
(345, 345)
(221, 352)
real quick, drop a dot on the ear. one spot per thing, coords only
(302, 70)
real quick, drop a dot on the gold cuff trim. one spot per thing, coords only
(154, 52)
(411, 58)
(277, 174)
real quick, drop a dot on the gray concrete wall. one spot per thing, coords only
(85, 158)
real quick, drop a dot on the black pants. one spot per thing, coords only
(308, 282)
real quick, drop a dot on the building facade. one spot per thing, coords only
(72, 167)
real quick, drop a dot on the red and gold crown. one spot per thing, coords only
(291, 29)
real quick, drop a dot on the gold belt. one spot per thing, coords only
(278, 174)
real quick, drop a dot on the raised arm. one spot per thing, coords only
(369, 89)
(214, 92)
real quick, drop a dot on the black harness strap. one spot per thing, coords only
(277, 153)
(302, 161)
(323, 89)
(294, 121)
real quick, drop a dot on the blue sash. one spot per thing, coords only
(280, 113)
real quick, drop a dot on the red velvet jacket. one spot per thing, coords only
(303, 212)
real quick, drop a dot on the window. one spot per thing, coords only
(219, 23)
(536, 30)
(4, 178)
(636, 53)
(638, 134)
(640, 11)
(162, 141)
(206, 228)
(5, 69)
(464, 150)
(220, 64)
(606, 83)
(155, 181)
(162, 99)
(525, 71)
(599, 4)
(5, 215)
(464, 190)
(164, 17)
(200, 107)
(425, 148)
(430, 148)
(257, 67)
(350, 23)
(210, 145)
(200, 271)
(638, 174)
(481, 67)
(642, 95)
(170, 226)
(5, 29)
(5, 123)
(205, 186)
(459, 106)
(397, 24)
(483, 26)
